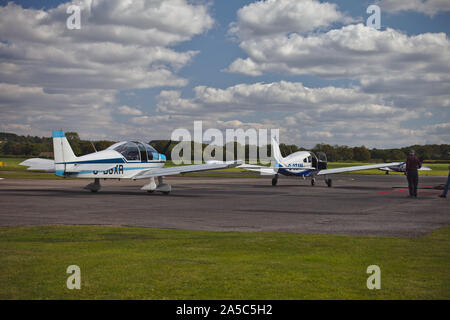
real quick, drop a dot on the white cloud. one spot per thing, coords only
(306, 116)
(328, 103)
(439, 129)
(428, 7)
(122, 45)
(129, 111)
(270, 17)
(413, 70)
(350, 52)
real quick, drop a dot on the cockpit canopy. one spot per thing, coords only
(135, 151)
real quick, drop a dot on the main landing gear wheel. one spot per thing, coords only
(313, 181)
(329, 183)
(274, 181)
(161, 187)
(93, 187)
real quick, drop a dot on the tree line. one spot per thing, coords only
(16, 145)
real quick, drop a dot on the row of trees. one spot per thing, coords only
(15, 145)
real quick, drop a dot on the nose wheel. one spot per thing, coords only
(275, 180)
(313, 182)
(329, 183)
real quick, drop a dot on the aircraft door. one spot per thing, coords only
(314, 160)
(323, 162)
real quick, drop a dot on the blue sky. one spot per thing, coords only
(310, 68)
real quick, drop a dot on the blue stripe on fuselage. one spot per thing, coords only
(115, 160)
(99, 171)
(286, 172)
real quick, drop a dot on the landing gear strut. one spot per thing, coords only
(161, 187)
(329, 182)
(275, 180)
(94, 186)
(313, 181)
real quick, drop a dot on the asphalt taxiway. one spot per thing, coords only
(356, 204)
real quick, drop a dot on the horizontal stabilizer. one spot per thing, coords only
(39, 164)
(261, 169)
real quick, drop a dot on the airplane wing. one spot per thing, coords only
(39, 164)
(358, 168)
(261, 169)
(269, 170)
(401, 168)
(185, 169)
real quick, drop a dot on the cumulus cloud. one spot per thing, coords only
(129, 111)
(413, 70)
(270, 17)
(259, 97)
(304, 115)
(350, 52)
(428, 7)
(121, 45)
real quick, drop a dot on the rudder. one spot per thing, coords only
(276, 152)
(62, 151)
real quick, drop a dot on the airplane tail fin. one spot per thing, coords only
(62, 151)
(276, 152)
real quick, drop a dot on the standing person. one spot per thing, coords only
(412, 165)
(444, 193)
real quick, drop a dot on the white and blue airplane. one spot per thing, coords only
(306, 164)
(123, 160)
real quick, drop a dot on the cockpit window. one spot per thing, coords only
(150, 151)
(129, 150)
(142, 151)
(309, 159)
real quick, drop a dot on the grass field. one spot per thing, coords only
(12, 169)
(139, 263)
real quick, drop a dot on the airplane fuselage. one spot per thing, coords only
(111, 164)
(299, 163)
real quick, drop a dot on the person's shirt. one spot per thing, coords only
(412, 163)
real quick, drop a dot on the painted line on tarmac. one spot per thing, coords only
(400, 190)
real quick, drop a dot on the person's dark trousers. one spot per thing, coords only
(446, 186)
(413, 180)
